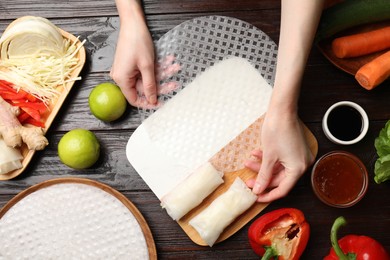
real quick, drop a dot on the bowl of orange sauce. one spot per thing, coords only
(339, 179)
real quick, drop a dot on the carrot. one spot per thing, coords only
(362, 43)
(374, 72)
(351, 13)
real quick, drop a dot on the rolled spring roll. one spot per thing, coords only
(211, 222)
(192, 191)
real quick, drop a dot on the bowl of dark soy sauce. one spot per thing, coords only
(345, 123)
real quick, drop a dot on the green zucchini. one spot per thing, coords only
(351, 13)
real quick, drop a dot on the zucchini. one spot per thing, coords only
(351, 13)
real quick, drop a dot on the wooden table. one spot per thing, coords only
(323, 84)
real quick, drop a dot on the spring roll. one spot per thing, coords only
(192, 191)
(211, 222)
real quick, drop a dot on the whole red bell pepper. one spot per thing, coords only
(281, 233)
(354, 246)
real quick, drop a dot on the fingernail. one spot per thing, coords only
(153, 99)
(256, 188)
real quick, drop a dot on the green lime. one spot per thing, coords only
(107, 102)
(79, 149)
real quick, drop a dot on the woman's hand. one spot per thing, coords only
(286, 157)
(286, 154)
(134, 68)
(134, 60)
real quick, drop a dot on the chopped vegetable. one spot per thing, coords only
(8, 88)
(31, 108)
(382, 164)
(37, 68)
(281, 233)
(374, 72)
(29, 36)
(10, 158)
(353, 247)
(350, 13)
(14, 133)
(362, 43)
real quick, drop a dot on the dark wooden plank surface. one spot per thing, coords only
(322, 85)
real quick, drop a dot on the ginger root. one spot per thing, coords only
(15, 133)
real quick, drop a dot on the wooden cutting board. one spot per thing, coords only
(242, 220)
(54, 107)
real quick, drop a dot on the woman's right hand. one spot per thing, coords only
(134, 61)
(134, 68)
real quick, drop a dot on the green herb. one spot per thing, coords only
(382, 164)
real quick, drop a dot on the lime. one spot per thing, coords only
(107, 102)
(79, 149)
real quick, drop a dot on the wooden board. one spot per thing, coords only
(244, 174)
(127, 203)
(53, 108)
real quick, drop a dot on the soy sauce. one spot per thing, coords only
(345, 123)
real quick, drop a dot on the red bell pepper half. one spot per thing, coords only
(281, 233)
(354, 246)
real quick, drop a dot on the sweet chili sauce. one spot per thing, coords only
(339, 179)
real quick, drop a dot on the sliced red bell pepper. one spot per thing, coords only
(32, 112)
(32, 121)
(4, 85)
(32, 109)
(23, 116)
(39, 106)
(28, 96)
(281, 233)
(8, 95)
(353, 246)
(7, 88)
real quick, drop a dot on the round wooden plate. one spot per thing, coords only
(350, 65)
(122, 199)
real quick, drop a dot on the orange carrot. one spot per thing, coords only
(374, 72)
(362, 43)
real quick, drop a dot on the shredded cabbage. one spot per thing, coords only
(37, 58)
(28, 35)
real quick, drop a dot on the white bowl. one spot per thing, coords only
(363, 130)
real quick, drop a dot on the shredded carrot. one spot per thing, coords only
(374, 72)
(362, 43)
